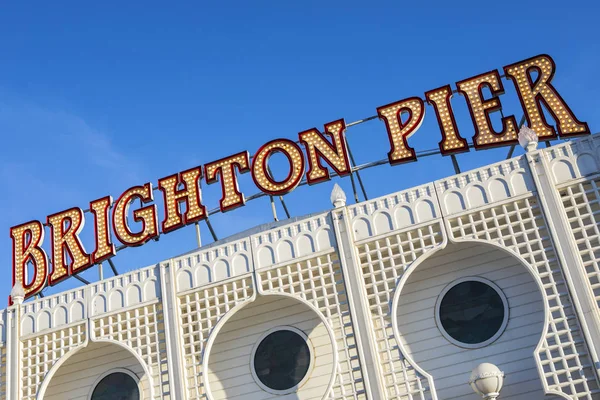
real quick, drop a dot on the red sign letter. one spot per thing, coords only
(65, 227)
(190, 195)
(232, 197)
(145, 215)
(104, 247)
(452, 142)
(27, 239)
(398, 131)
(317, 146)
(480, 110)
(534, 94)
(260, 172)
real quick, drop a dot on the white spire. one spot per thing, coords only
(338, 197)
(17, 293)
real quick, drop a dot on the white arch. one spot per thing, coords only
(50, 374)
(393, 310)
(56, 366)
(213, 334)
(146, 368)
(424, 257)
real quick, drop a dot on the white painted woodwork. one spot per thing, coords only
(230, 361)
(75, 379)
(451, 365)
(219, 299)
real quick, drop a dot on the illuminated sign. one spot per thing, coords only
(532, 79)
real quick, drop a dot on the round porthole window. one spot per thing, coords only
(116, 386)
(281, 360)
(472, 312)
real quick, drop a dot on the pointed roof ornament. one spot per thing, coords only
(528, 139)
(338, 197)
(17, 293)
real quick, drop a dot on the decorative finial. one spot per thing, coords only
(338, 197)
(528, 139)
(17, 294)
(487, 380)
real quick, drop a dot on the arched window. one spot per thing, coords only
(116, 385)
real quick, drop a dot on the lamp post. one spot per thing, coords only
(486, 380)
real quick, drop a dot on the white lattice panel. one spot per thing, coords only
(200, 311)
(387, 242)
(286, 263)
(53, 312)
(574, 159)
(125, 291)
(520, 226)
(393, 212)
(382, 262)
(209, 283)
(3, 361)
(483, 186)
(3, 368)
(40, 352)
(3, 317)
(127, 309)
(142, 329)
(211, 265)
(319, 281)
(582, 206)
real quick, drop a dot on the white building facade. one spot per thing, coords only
(398, 297)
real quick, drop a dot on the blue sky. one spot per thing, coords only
(98, 97)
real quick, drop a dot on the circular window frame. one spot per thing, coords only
(311, 363)
(487, 342)
(114, 371)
